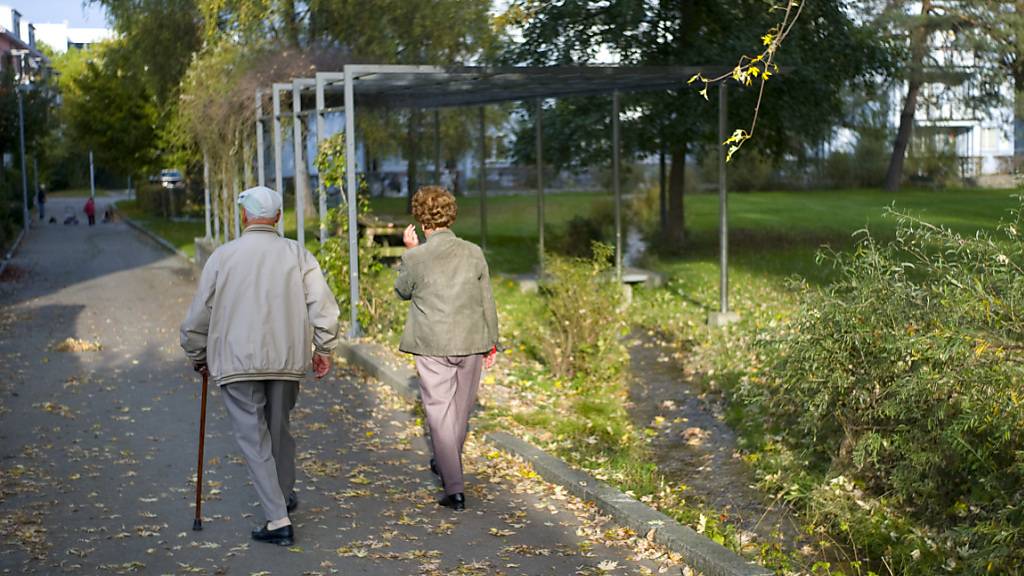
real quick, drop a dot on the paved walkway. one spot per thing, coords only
(97, 449)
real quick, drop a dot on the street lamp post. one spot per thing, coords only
(24, 172)
(21, 134)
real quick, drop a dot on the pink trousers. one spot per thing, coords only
(448, 387)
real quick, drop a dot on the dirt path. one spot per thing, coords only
(694, 446)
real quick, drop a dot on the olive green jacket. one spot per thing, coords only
(452, 310)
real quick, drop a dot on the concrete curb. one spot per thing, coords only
(153, 236)
(13, 249)
(698, 551)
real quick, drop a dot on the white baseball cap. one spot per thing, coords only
(260, 202)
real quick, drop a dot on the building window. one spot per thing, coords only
(990, 138)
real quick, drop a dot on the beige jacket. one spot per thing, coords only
(452, 311)
(261, 308)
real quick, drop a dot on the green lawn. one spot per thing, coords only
(81, 193)
(774, 233)
(182, 234)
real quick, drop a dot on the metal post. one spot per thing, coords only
(321, 127)
(278, 169)
(437, 147)
(227, 204)
(131, 188)
(234, 203)
(35, 181)
(540, 187)
(24, 170)
(300, 200)
(483, 181)
(723, 216)
(206, 193)
(92, 177)
(353, 224)
(723, 316)
(261, 171)
(216, 216)
(617, 185)
(662, 188)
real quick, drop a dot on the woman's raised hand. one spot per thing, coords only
(409, 237)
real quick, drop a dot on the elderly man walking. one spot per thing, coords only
(261, 309)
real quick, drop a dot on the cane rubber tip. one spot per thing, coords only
(197, 524)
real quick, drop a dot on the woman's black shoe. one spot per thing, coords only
(283, 536)
(454, 501)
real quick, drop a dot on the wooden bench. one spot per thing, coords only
(383, 234)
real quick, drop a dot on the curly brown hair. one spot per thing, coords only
(434, 207)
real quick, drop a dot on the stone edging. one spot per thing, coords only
(13, 249)
(153, 236)
(698, 551)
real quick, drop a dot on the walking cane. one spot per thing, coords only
(197, 524)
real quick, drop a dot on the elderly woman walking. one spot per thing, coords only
(451, 329)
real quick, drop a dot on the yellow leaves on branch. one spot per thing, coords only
(760, 67)
(739, 136)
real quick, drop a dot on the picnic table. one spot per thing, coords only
(383, 234)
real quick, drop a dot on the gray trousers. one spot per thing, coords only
(259, 416)
(448, 387)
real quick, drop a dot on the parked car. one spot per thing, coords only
(171, 179)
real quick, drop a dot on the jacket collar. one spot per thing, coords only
(260, 228)
(446, 233)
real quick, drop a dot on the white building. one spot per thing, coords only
(61, 36)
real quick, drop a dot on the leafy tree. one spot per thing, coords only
(995, 32)
(805, 102)
(109, 110)
(160, 37)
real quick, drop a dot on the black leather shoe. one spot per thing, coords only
(454, 501)
(433, 468)
(283, 536)
(293, 502)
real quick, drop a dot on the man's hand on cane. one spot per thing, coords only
(321, 365)
(201, 368)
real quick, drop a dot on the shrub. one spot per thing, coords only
(583, 318)
(381, 313)
(580, 233)
(905, 377)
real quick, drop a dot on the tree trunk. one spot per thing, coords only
(918, 47)
(675, 225)
(291, 23)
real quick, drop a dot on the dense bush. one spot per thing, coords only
(579, 235)
(583, 318)
(901, 383)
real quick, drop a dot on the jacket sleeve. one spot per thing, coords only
(321, 305)
(196, 327)
(405, 283)
(490, 309)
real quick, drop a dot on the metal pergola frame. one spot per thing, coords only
(434, 87)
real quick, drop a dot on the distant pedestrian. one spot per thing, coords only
(451, 329)
(261, 307)
(41, 202)
(90, 210)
